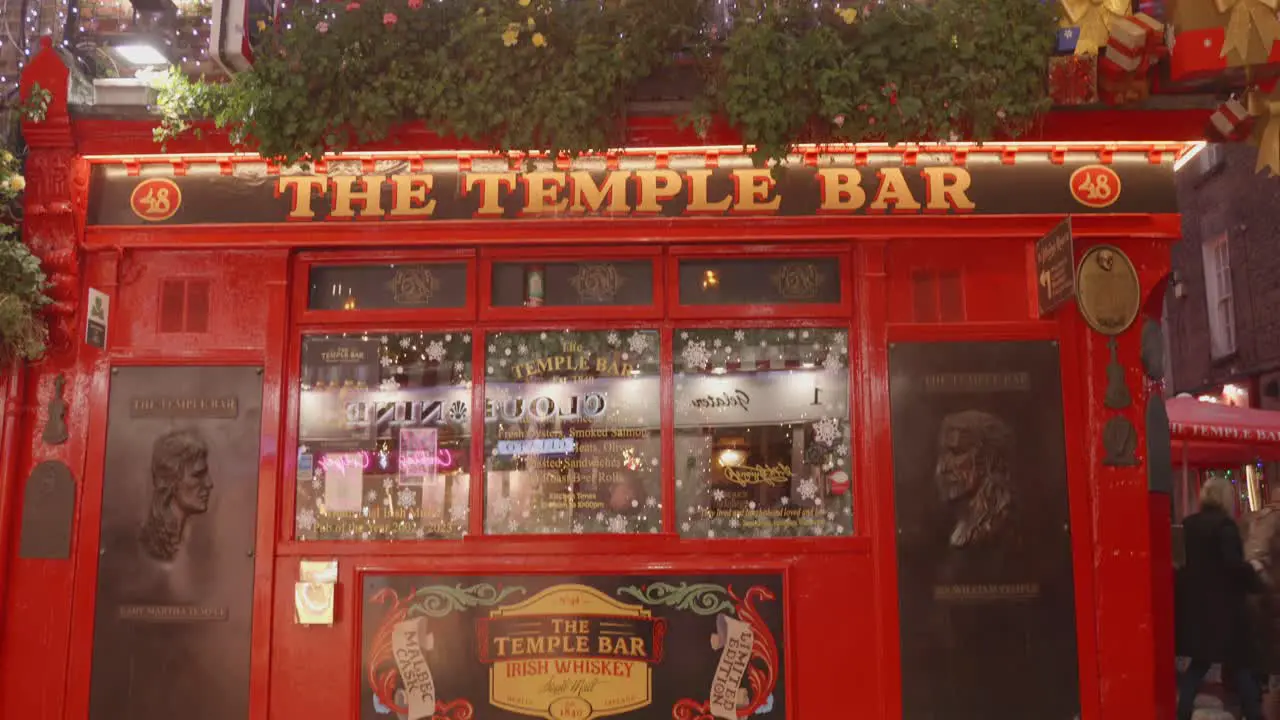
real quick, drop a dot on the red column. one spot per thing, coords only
(38, 593)
(1129, 566)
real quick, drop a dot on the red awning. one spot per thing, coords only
(1211, 432)
(1191, 419)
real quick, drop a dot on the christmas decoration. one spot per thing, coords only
(1266, 135)
(1094, 18)
(1073, 79)
(1210, 38)
(1230, 122)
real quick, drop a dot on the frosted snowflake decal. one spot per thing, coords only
(716, 343)
(372, 496)
(578, 528)
(420, 533)
(651, 501)
(388, 384)
(786, 500)
(695, 355)
(493, 348)
(306, 520)
(435, 351)
(316, 484)
(513, 525)
(465, 338)
(832, 363)
(618, 524)
(718, 495)
(458, 512)
(613, 339)
(827, 431)
(684, 526)
(808, 488)
(739, 336)
(406, 498)
(404, 342)
(734, 522)
(840, 343)
(500, 508)
(385, 361)
(638, 342)
(386, 483)
(523, 349)
(459, 367)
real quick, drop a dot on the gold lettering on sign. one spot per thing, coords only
(653, 187)
(346, 196)
(746, 475)
(409, 195)
(414, 286)
(840, 190)
(945, 189)
(596, 283)
(172, 613)
(893, 190)
(304, 188)
(489, 186)
(544, 191)
(197, 407)
(798, 281)
(754, 186)
(698, 203)
(609, 196)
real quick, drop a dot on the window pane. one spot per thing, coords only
(714, 281)
(573, 284)
(384, 436)
(762, 433)
(573, 432)
(388, 287)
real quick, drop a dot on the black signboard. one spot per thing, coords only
(983, 185)
(1055, 268)
(623, 646)
(175, 574)
(985, 582)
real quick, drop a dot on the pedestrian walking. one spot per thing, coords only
(1213, 613)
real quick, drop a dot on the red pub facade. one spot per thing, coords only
(429, 432)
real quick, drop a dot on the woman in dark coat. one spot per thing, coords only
(1213, 610)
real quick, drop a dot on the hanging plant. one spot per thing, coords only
(556, 74)
(518, 74)
(23, 332)
(891, 72)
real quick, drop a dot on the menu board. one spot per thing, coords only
(384, 436)
(762, 432)
(627, 646)
(573, 432)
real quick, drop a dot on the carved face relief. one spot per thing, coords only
(957, 474)
(193, 489)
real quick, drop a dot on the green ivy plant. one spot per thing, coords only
(518, 74)
(556, 74)
(901, 71)
(23, 332)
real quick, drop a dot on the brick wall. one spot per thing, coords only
(1248, 207)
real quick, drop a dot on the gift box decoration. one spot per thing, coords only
(1094, 19)
(1073, 79)
(1125, 90)
(1065, 40)
(1214, 37)
(1135, 43)
(1230, 122)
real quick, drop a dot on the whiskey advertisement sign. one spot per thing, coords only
(393, 190)
(707, 647)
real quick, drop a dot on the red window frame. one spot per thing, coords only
(480, 318)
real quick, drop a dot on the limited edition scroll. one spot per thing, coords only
(733, 639)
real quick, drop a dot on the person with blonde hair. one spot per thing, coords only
(1213, 611)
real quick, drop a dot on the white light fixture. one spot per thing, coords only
(140, 54)
(732, 457)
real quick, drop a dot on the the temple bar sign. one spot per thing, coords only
(395, 192)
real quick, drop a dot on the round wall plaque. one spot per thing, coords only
(1107, 290)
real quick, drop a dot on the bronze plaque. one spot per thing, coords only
(175, 574)
(48, 509)
(985, 578)
(1108, 290)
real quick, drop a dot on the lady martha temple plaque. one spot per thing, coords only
(573, 648)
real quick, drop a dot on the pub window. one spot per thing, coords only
(384, 436)
(572, 284)
(413, 286)
(802, 281)
(762, 443)
(573, 432)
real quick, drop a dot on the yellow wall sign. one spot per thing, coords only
(571, 653)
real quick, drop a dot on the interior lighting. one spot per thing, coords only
(140, 54)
